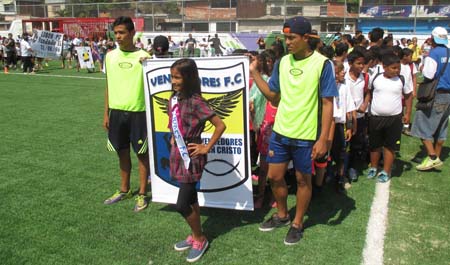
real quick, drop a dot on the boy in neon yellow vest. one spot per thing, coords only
(302, 86)
(124, 116)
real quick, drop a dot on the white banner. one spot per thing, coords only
(226, 181)
(46, 44)
(85, 57)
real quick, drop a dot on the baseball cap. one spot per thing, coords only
(161, 44)
(440, 35)
(298, 25)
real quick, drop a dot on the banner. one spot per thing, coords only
(405, 11)
(226, 181)
(46, 44)
(85, 57)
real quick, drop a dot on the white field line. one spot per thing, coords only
(65, 76)
(376, 228)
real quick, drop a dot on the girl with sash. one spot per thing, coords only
(188, 113)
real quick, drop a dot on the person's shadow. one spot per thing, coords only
(329, 207)
(222, 221)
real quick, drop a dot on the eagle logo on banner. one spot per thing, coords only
(222, 105)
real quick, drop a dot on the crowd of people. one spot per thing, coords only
(330, 109)
(334, 109)
(17, 53)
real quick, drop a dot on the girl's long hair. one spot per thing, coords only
(189, 72)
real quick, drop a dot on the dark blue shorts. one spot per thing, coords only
(283, 149)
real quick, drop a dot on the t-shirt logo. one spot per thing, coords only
(295, 72)
(125, 65)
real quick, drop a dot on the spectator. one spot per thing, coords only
(26, 53)
(261, 44)
(431, 126)
(190, 45)
(376, 37)
(204, 47)
(417, 52)
(216, 45)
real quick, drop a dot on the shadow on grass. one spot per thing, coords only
(328, 208)
(222, 221)
(422, 153)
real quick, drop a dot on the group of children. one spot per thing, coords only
(368, 106)
(376, 87)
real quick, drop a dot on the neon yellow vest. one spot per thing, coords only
(297, 116)
(125, 80)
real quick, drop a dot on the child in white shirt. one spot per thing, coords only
(386, 115)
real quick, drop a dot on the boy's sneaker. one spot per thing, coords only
(429, 163)
(197, 250)
(372, 172)
(185, 244)
(293, 236)
(118, 196)
(141, 203)
(274, 222)
(340, 184)
(383, 177)
(353, 175)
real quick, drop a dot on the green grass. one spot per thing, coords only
(55, 173)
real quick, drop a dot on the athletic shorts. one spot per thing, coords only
(385, 131)
(283, 149)
(127, 127)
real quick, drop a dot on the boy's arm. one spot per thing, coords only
(365, 104)
(320, 147)
(408, 103)
(414, 79)
(106, 110)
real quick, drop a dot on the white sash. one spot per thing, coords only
(177, 132)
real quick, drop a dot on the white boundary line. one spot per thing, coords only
(376, 228)
(65, 76)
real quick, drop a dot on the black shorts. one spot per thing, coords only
(385, 131)
(339, 145)
(127, 127)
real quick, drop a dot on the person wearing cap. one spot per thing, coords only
(426, 123)
(302, 86)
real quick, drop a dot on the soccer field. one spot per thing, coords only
(56, 172)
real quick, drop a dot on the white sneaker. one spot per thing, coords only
(429, 163)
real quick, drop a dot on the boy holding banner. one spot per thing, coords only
(124, 116)
(302, 86)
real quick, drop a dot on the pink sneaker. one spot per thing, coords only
(197, 250)
(255, 177)
(185, 244)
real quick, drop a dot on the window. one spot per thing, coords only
(199, 27)
(294, 10)
(225, 27)
(323, 10)
(275, 11)
(223, 3)
(9, 8)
